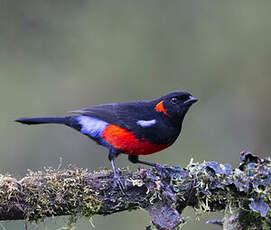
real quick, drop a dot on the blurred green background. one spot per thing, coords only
(62, 55)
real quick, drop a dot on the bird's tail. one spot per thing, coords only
(42, 120)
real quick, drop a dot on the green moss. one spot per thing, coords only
(48, 192)
(90, 205)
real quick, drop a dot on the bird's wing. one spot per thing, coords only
(103, 112)
(139, 118)
(124, 115)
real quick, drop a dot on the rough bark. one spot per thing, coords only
(243, 193)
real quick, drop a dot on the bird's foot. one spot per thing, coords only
(160, 167)
(118, 183)
(165, 170)
(170, 171)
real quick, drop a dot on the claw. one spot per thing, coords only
(163, 169)
(118, 183)
(117, 180)
(160, 167)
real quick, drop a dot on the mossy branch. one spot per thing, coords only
(243, 193)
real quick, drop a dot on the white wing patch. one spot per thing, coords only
(144, 123)
(91, 126)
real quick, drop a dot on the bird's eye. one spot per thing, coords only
(174, 100)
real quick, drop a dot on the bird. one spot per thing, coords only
(134, 128)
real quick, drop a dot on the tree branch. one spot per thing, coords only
(243, 193)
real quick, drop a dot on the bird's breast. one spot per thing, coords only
(127, 141)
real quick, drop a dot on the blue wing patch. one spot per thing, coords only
(144, 123)
(90, 126)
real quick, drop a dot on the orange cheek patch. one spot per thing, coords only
(126, 141)
(160, 108)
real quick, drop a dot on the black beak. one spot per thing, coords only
(191, 100)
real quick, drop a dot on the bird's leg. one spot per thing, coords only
(134, 159)
(112, 156)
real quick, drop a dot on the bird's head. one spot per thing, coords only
(175, 104)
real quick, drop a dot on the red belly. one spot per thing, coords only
(126, 141)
